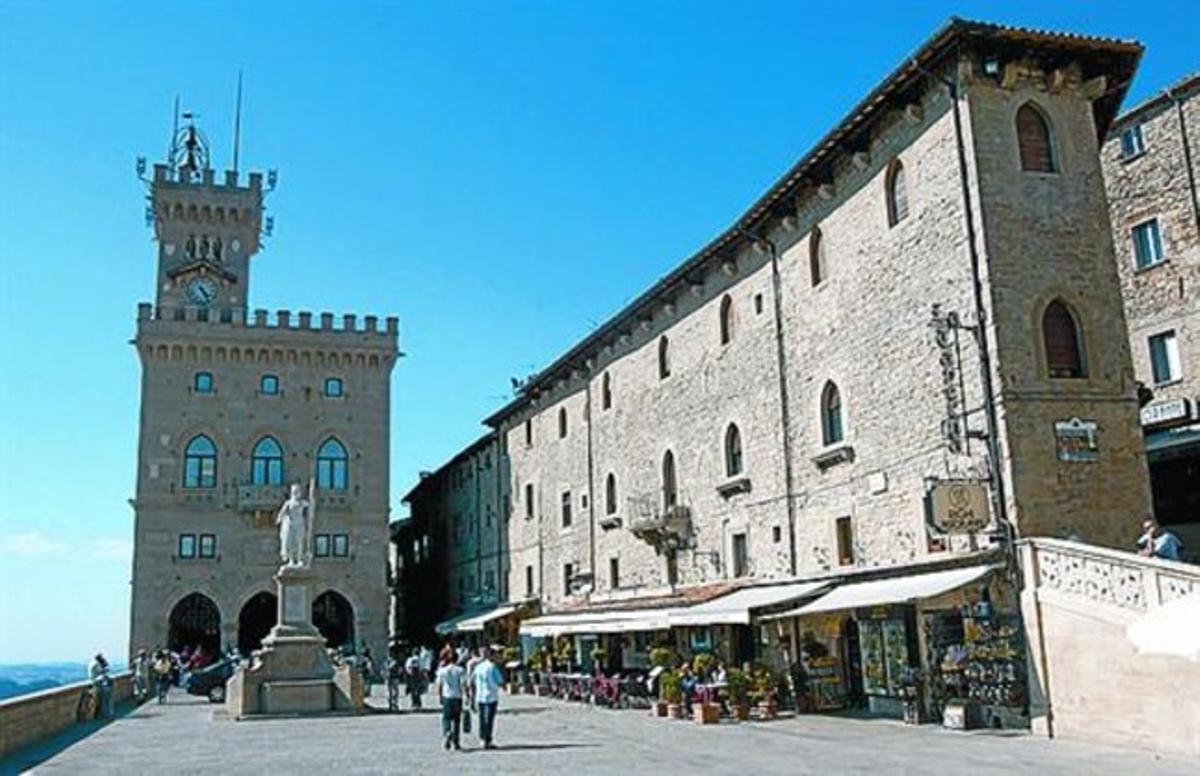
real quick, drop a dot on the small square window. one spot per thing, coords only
(758, 304)
(208, 545)
(268, 385)
(187, 545)
(1132, 142)
(1147, 244)
(202, 382)
(341, 545)
(333, 387)
(321, 545)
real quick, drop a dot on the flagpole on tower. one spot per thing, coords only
(237, 124)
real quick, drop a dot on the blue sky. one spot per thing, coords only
(501, 176)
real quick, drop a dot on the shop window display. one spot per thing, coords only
(976, 656)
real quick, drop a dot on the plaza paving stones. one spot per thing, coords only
(538, 735)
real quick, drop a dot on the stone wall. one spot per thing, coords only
(28, 719)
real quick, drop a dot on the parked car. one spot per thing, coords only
(210, 680)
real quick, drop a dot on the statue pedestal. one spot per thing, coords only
(292, 673)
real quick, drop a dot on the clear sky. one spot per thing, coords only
(501, 176)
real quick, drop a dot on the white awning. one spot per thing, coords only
(894, 590)
(737, 607)
(475, 624)
(446, 627)
(628, 620)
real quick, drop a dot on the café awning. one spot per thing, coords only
(475, 624)
(894, 590)
(738, 607)
(446, 627)
(618, 621)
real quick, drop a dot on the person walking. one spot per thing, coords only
(487, 680)
(162, 675)
(141, 676)
(415, 679)
(101, 686)
(450, 693)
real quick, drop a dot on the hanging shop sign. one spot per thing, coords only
(1163, 412)
(1078, 441)
(959, 507)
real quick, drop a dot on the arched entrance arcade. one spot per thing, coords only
(333, 616)
(255, 621)
(194, 622)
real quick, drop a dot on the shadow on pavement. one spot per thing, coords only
(39, 752)
(534, 710)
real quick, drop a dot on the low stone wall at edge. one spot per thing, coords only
(27, 719)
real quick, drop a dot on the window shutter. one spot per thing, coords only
(1062, 342)
(1033, 139)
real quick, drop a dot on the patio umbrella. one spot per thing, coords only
(1171, 629)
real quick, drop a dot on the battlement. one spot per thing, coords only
(165, 176)
(240, 318)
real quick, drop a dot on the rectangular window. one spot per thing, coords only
(845, 541)
(341, 545)
(529, 501)
(1132, 144)
(489, 584)
(202, 382)
(758, 304)
(741, 559)
(208, 545)
(566, 509)
(776, 534)
(268, 385)
(1164, 357)
(321, 546)
(614, 573)
(529, 433)
(529, 580)
(187, 545)
(1147, 244)
(568, 573)
(333, 387)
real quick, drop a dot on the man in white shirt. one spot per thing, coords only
(450, 693)
(487, 680)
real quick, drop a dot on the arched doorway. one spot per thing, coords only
(255, 621)
(333, 616)
(195, 621)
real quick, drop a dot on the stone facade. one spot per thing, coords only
(226, 381)
(827, 287)
(1151, 166)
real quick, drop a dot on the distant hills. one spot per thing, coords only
(22, 678)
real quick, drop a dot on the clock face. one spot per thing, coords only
(202, 292)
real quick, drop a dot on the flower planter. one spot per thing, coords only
(660, 709)
(741, 712)
(768, 710)
(675, 710)
(706, 713)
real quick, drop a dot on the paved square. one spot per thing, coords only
(537, 735)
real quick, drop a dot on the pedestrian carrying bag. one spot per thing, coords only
(466, 721)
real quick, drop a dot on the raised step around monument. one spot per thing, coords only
(297, 696)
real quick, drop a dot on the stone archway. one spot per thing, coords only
(333, 616)
(194, 621)
(255, 621)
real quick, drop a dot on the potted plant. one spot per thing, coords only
(763, 689)
(512, 665)
(798, 675)
(672, 693)
(661, 658)
(739, 694)
(564, 652)
(704, 664)
(599, 655)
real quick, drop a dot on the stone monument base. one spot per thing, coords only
(292, 673)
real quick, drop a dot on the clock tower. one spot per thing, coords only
(206, 229)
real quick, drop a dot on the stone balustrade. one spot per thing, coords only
(27, 719)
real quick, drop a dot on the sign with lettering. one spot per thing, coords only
(1078, 441)
(1161, 412)
(959, 507)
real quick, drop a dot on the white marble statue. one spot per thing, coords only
(295, 521)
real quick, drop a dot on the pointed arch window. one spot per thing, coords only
(1034, 140)
(606, 391)
(610, 494)
(664, 358)
(1062, 337)
(726, 319)
(200, 463)
(832, 430)
(670, 485)
(332, 466)
(266, 462)
(897, 193)
(733, 451)
(816, 256)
